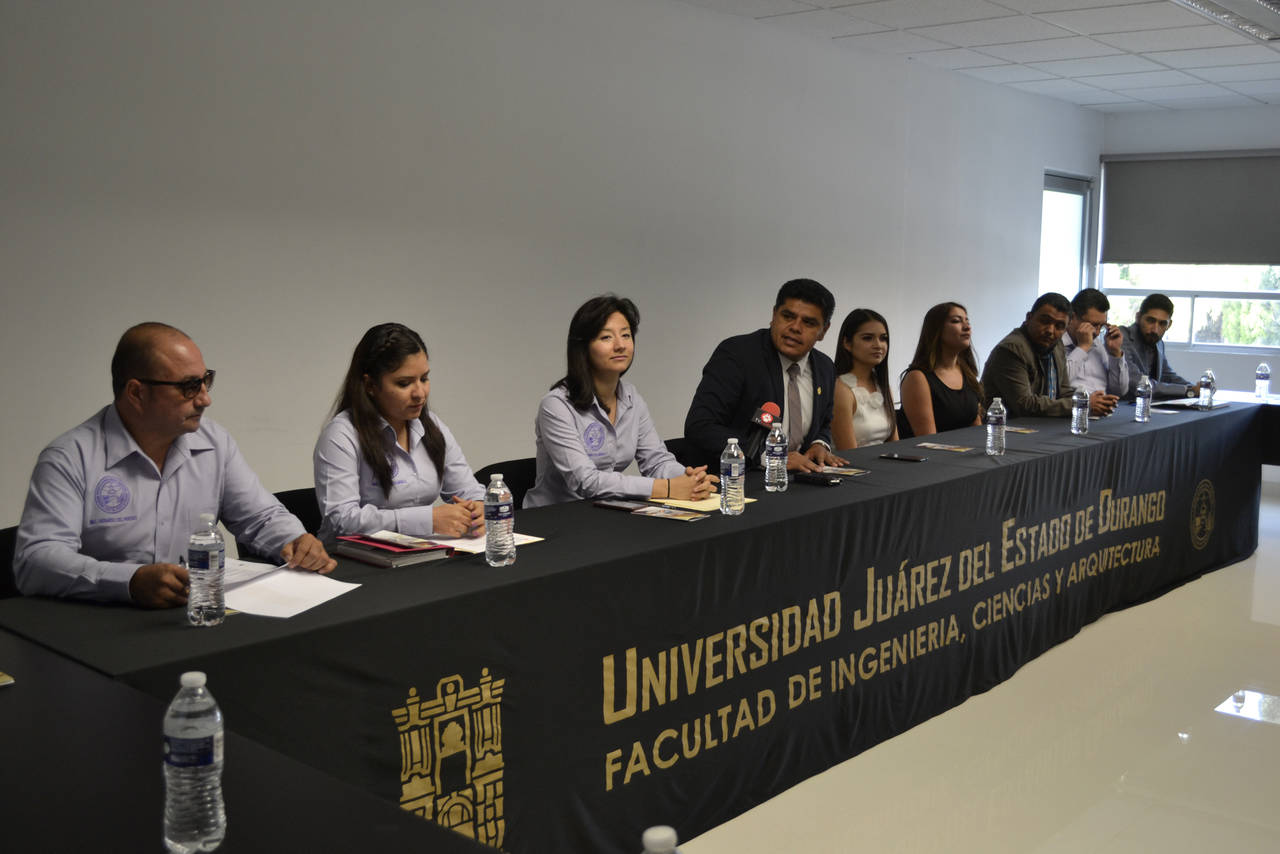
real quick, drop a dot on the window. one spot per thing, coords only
(1229, 306)
(1064, 227)
(1201, 229)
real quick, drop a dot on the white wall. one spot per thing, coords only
(275, 176)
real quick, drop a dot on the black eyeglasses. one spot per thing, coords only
(189, 387)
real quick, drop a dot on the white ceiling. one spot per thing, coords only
(1109, 55)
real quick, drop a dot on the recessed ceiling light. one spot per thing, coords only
(1223, 15)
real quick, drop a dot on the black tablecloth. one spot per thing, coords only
(82, 770)
(631, 671)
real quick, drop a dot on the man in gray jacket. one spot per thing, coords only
(1144, 351)
(1028, 369)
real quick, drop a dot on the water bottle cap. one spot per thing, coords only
(659, 840)
(208, 518)
(733, 441)
(495, 476)
(192, 679)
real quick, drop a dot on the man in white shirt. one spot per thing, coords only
(1095, 350)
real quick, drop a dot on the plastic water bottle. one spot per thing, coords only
(499, 520)
(1208, 385)
(1080, 412)
(194, 816)
(660, 840)
(206, 567)
(1142, 400)
(995, 428)
(775, 459)
(1262, 381)
(733, 479)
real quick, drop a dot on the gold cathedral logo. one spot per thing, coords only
(1202, 507)
(451, 756)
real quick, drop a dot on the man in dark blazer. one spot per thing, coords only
(774, 365)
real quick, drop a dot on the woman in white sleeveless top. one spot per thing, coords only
(863, 402)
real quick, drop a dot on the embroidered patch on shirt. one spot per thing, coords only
(593, 436)
(111, 495)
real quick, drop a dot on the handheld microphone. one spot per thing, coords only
(762, 420)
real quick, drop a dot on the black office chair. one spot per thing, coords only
(8, 539)
(301, 503)
(518, 475)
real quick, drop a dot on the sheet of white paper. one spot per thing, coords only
(475, 545)
(241, 572)
(285, 593)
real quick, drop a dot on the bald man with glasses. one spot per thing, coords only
(112, 502)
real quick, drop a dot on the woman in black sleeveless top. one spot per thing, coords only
(940, 389)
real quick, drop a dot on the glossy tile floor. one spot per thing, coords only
(1107, 743)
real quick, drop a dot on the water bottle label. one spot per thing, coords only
(776, 451)
(193, 752)
(498, 512)
(204, 558)
(734, 469)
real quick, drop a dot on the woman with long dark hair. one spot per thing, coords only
(940, 388)
(383, 459)
(593, 424)
(863, 404)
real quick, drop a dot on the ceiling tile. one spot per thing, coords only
(1019, 28)
(1210, 56)
(956, 58)
(1212, 103)
(1128, 107)
(754, 8)
(904, 14)
(1058, 87)
(1101, 97)
(1067, 90)
(1256, 88)
(1177, 93)
(1119, 64)
(1136, 81)
(1181, 38)
(1049, 50)
(1008, 74)
(1119, 19)
(820, 22)
(1229, 73)
(892, 41)
(1059, 5)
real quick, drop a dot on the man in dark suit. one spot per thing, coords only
(777, 365)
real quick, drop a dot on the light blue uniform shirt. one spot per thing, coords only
(98, 508)
(583, 455)
(352, 500)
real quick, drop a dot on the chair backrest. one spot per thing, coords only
(8, 539)
(518, 475)
(303, 504)
(684, 451)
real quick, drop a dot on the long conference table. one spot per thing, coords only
(632, 671)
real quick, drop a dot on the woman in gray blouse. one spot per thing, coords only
(592, 423)
(383, 459)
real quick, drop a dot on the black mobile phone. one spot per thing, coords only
(817, 478)
(903, 458)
